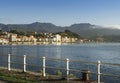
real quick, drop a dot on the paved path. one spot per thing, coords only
(3, 81)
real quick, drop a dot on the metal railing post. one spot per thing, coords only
(9, 62)
(98, 71)
(67, 68)
(24, 63)
(44, 74)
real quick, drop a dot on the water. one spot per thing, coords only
(109, 53)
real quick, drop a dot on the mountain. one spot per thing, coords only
(38, 27)
(84, 29)
(2, 26)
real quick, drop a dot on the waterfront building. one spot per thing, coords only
(57, 38)
(3, 41)
(13, 37)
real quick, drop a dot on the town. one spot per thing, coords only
(34, 38)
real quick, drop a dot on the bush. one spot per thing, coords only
(71, 76)
(58, 72)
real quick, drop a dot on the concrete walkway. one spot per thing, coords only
(3, 82)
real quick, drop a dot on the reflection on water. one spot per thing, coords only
(86, 52)
(58, 52)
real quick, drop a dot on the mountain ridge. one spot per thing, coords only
(84, 29)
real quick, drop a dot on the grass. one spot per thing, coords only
(30, 77)
(26, 77)
(16, 77)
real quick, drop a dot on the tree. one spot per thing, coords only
(68, 33)
(14, 31)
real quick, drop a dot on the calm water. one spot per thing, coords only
(109, 53)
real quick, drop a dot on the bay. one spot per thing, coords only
(91, 52)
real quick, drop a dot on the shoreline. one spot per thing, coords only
(69, 43)
(18, 76)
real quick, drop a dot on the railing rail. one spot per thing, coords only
(66, 62)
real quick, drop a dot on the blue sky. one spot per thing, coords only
(60, 12)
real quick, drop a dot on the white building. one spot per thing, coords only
(57, 38)
(3, 41)
(13, 37)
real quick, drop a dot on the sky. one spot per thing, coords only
(60, 12)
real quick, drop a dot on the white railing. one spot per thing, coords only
(67, 69)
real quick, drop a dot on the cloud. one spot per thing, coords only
(112, 26)
(116, 26)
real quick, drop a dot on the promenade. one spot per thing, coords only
(18, 76)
